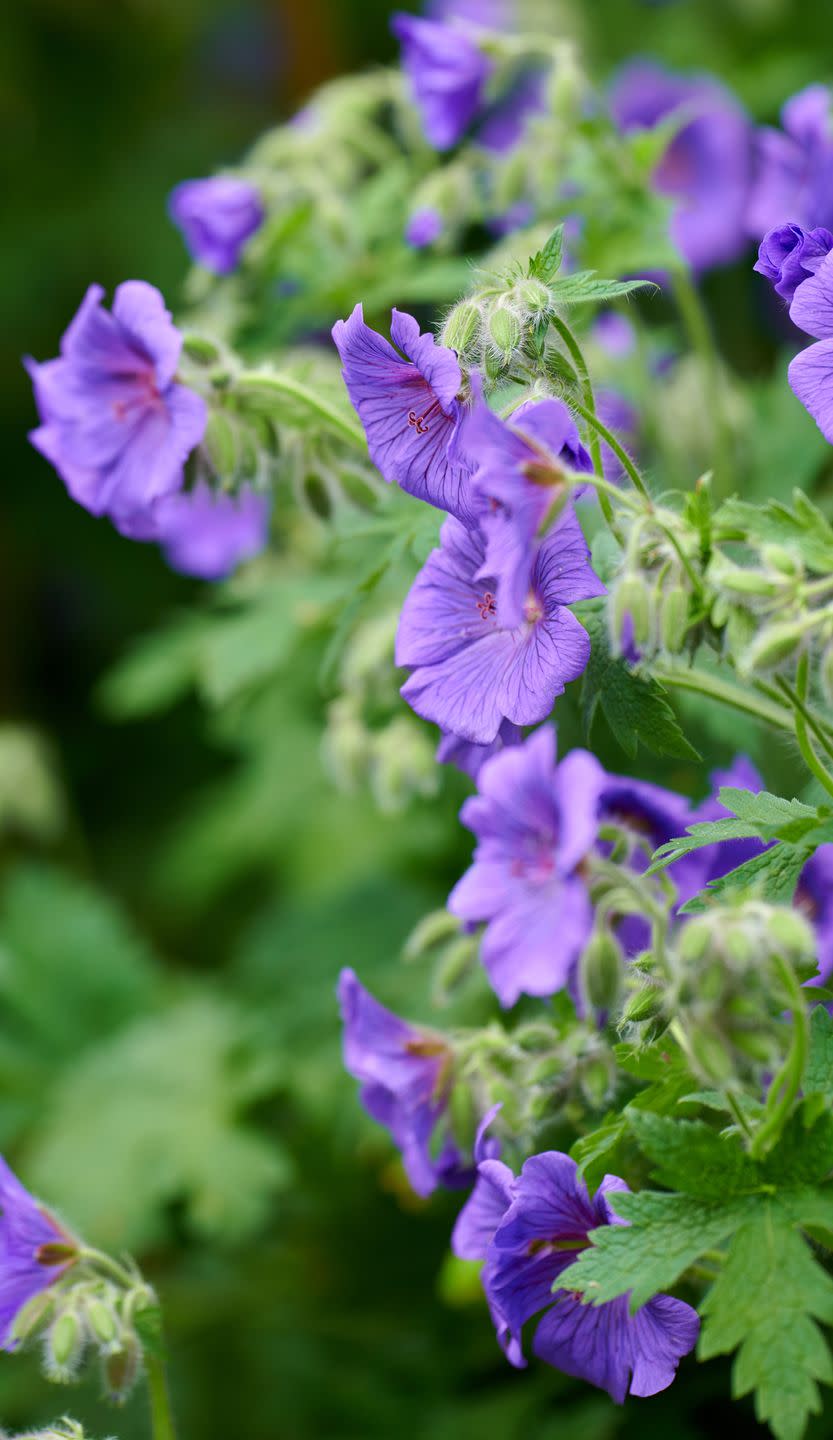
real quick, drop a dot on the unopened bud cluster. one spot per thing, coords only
(725, 985)
(652, 606)
(368, 742)
(771, 610)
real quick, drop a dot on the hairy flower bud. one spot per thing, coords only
(505, 330)
(65, 1342)
(462, 327)
(643, 1004)
(673, 618)
(221, 444)
(601, 969)
(773, 646)
(120, 1369)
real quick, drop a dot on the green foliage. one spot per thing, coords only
(634, 706)
(547, 261)
(762, 816)
(802, 526)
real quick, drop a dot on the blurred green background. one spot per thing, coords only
(169, 1055)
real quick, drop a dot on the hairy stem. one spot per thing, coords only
(162, 1421)
(787, 1083)
(727, 693)
(618, 449)
(286, 385)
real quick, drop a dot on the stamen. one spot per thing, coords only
(418, 421)
(486, 606)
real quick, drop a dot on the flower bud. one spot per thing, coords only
(631, 597)
(461, 328)
(673, 618)
(773, 646)
(534, 297)
(200, 350)
(221, 444)
(779, 558)
(29, 1319)
(601, 968)
(101, 1319)
(120, 1369)
(644, 1004)
(791, 932)
(505, 330)
(64, 1346)
(432, 930)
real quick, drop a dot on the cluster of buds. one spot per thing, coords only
(63, 1429)
(501, 327)
(368, 742)
(655, 597)
(771, 610)
(87, 1311)
(723, 986)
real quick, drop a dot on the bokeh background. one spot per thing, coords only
(143, 895)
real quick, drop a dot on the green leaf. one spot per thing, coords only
(156, 672)
(583, 288)
(547, 262)
(818, 1075)
(804, 1153)
(803, 527)
(773, 874)
(691, 1157)
(765, 1302)
(634, 706)
(153, 1118)
(762, 808)
(666, 1234)
(766, 816)
(592, 1152)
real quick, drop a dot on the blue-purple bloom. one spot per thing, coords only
(424, 227)
(406, 1074)
(216, 216)
(615, 334)
(471, 758)
(518, 471)
(447, 71)
(34, 1252)
(207, 533)
(114, 422)
(788, 254)
(705, 168)
(529, 1229)
(535, 824)
(408, 406)
(470, 671)
(811, 372)
(793, 176)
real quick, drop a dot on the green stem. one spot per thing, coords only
(728, 694)
(619, 450)
(787, 1082)
(805, 745)
(285, 385)
(162, 1420)
(699, 330)
(106, 1265)
(589, 411)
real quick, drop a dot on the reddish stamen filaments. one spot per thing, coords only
(418, 421)
(486, 606)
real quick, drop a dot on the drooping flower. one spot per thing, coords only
(788, 254)
(34, 1252)
(469, 671)
(114, 422)
(424, 227)
(216, 216)
(535, 824)
(529, 1230)
(811, 372)
(470, 758)
(408, 406)
(650, 816)
(793, 167)
(447, 72)
(207, 533)
(705, 168)
(518, 471)
(406, 1075)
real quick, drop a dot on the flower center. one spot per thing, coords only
(533, 609)
(418, 421)
(144, 393)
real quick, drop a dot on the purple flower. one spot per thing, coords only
(793, 171)
(424, 227)
(535, 824)
(470, 758)
(34, 1252)
(406, 1076)
(470, 672)
(811, 372)
(618, 415)
(529, 1230)
(216, 216)
(408, 407)
(517, 472)
(705, 169)
(114, 423)
(651, 815)
(207, 534)
(447, 72)
(490, 14)
(615, 334)
(788, 254)
(504, 123)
